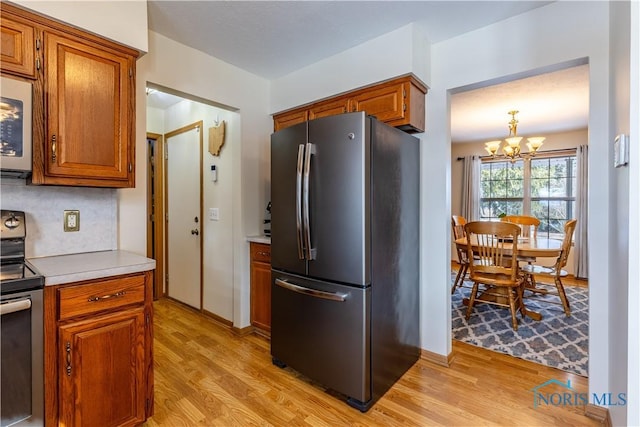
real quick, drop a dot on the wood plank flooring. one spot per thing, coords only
(207, 376)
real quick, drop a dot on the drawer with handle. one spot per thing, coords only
(260, 252)
(99, 296)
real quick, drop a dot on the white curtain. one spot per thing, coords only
(471, 188)
(581, 247)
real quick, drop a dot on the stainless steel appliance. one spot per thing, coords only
(15, 128)
(21, 325)
(344, 253)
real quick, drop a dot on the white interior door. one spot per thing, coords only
(184, 220)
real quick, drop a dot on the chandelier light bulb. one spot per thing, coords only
(535, 143)
(492, 147)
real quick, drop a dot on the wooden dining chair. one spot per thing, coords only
(529, 230)
(489, 246)
(529, 224)
(555, 271)
(457, 231)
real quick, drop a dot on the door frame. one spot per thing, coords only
(155, 224)
(198, 126)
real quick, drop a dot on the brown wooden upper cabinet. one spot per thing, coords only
(83, 101)
(399, 102)
(88, 111)
(18, 46)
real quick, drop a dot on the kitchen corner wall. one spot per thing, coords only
(44, 207)
(217, 236)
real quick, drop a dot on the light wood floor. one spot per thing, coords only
(205, 375)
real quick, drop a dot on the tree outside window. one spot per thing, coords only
(543, 187)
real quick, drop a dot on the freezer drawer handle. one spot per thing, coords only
(299, 201)
(333, 296)
(12, 307)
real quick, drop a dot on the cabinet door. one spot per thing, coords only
(331, 108)
(285, 120)
(261, 295)
(89, 112)
(101, 370)
(386, 103)
(17, 55)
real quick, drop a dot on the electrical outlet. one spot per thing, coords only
(72, 220)
(214, 214)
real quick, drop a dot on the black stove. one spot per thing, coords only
(16, 273)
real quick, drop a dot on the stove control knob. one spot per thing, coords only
(12, 221)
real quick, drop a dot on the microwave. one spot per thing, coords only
(15, 128)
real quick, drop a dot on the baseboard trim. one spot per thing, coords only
(218, 319)
(242, 332)
(598, 413)
(436, 358)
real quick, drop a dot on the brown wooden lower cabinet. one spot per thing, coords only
(261, 286)
(99, 352)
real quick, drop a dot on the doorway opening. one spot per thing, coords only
(517, 188)
(172, 115)
(155, 209)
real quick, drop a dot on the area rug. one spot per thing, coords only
(557, 340)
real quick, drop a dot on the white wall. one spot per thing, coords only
(633, 338)
(172, 65)
(553, 34)
(619, 206)
(553, 141)
(217, 236)
(121, 21)
(384, 57)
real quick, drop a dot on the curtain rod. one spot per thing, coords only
(542, 153)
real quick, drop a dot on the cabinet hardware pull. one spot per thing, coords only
(53, 149)
(68, 349)
(130, 168)
(37, 63)
(263, 253)
(104, 297)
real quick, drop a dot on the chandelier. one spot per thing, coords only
(511, 149)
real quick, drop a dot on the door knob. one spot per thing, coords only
(195, 231)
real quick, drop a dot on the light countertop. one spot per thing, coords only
(259, 239)
(91, 265)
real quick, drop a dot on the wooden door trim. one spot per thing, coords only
(160, 213)
(199, 127)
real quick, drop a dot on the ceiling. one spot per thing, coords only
(551, 102)
(274, 38)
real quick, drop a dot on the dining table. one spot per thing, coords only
(532, 247)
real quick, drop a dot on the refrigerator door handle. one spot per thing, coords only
(299, 231)
(333, 296)
(310, 252)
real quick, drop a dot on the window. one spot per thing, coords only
(543, 187)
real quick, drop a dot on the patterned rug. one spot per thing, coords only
(557, 340)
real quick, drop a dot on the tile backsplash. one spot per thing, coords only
(44, 207)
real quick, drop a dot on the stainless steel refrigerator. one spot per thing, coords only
(344, 253)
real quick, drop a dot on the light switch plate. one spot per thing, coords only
(72, 220)
(214, 214)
